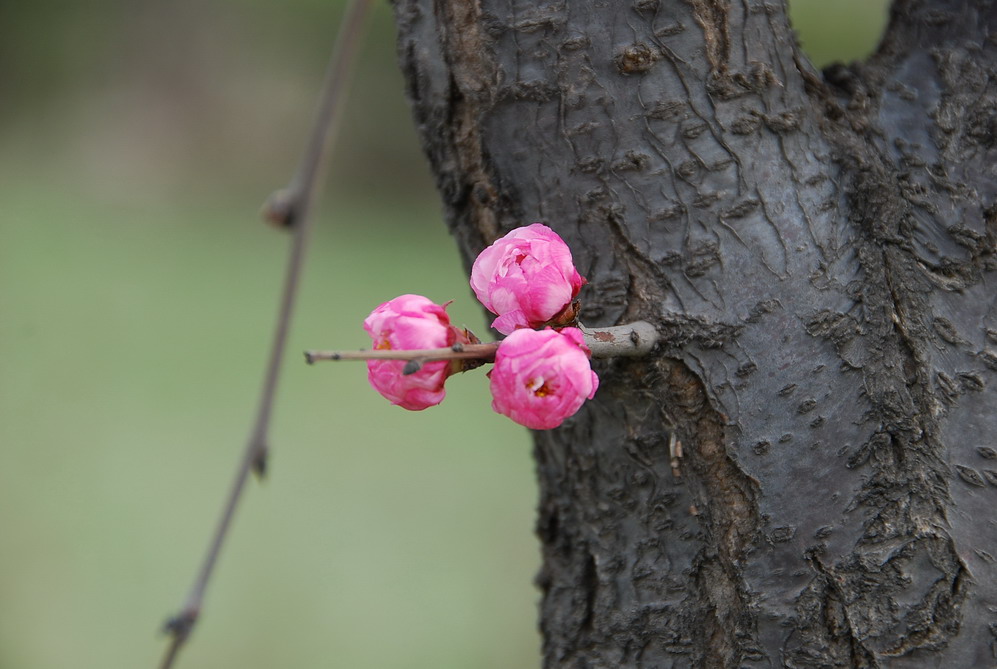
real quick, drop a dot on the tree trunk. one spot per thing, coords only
(818, 252)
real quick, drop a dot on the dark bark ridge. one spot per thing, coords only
(819, 254)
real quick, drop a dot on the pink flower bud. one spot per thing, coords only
(405, 323)
(526, 278)
(542, 376)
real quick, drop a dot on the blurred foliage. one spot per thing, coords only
(137, 140)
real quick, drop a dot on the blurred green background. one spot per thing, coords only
(137, 291)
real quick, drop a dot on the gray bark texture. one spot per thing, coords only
(818, 252)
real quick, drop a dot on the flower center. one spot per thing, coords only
(383, 345)
(539, 387)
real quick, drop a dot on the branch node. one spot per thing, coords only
(633, 339)
(180, 625)
(260, 462)
(281, 208)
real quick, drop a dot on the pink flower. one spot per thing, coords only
(405, 323)
(526, 278)
(542, 376)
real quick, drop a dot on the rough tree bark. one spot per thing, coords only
(818, 251)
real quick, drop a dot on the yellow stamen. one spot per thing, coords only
(539, 387)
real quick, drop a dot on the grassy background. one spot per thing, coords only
(137, 292)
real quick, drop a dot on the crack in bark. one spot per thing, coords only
(909, 491)
(829, 602)
(473, 81)
(729, 514)
(711, 15)
(451, 79)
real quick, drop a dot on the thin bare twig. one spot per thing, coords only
(456, 352)
(632, 339)
(290, 208)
